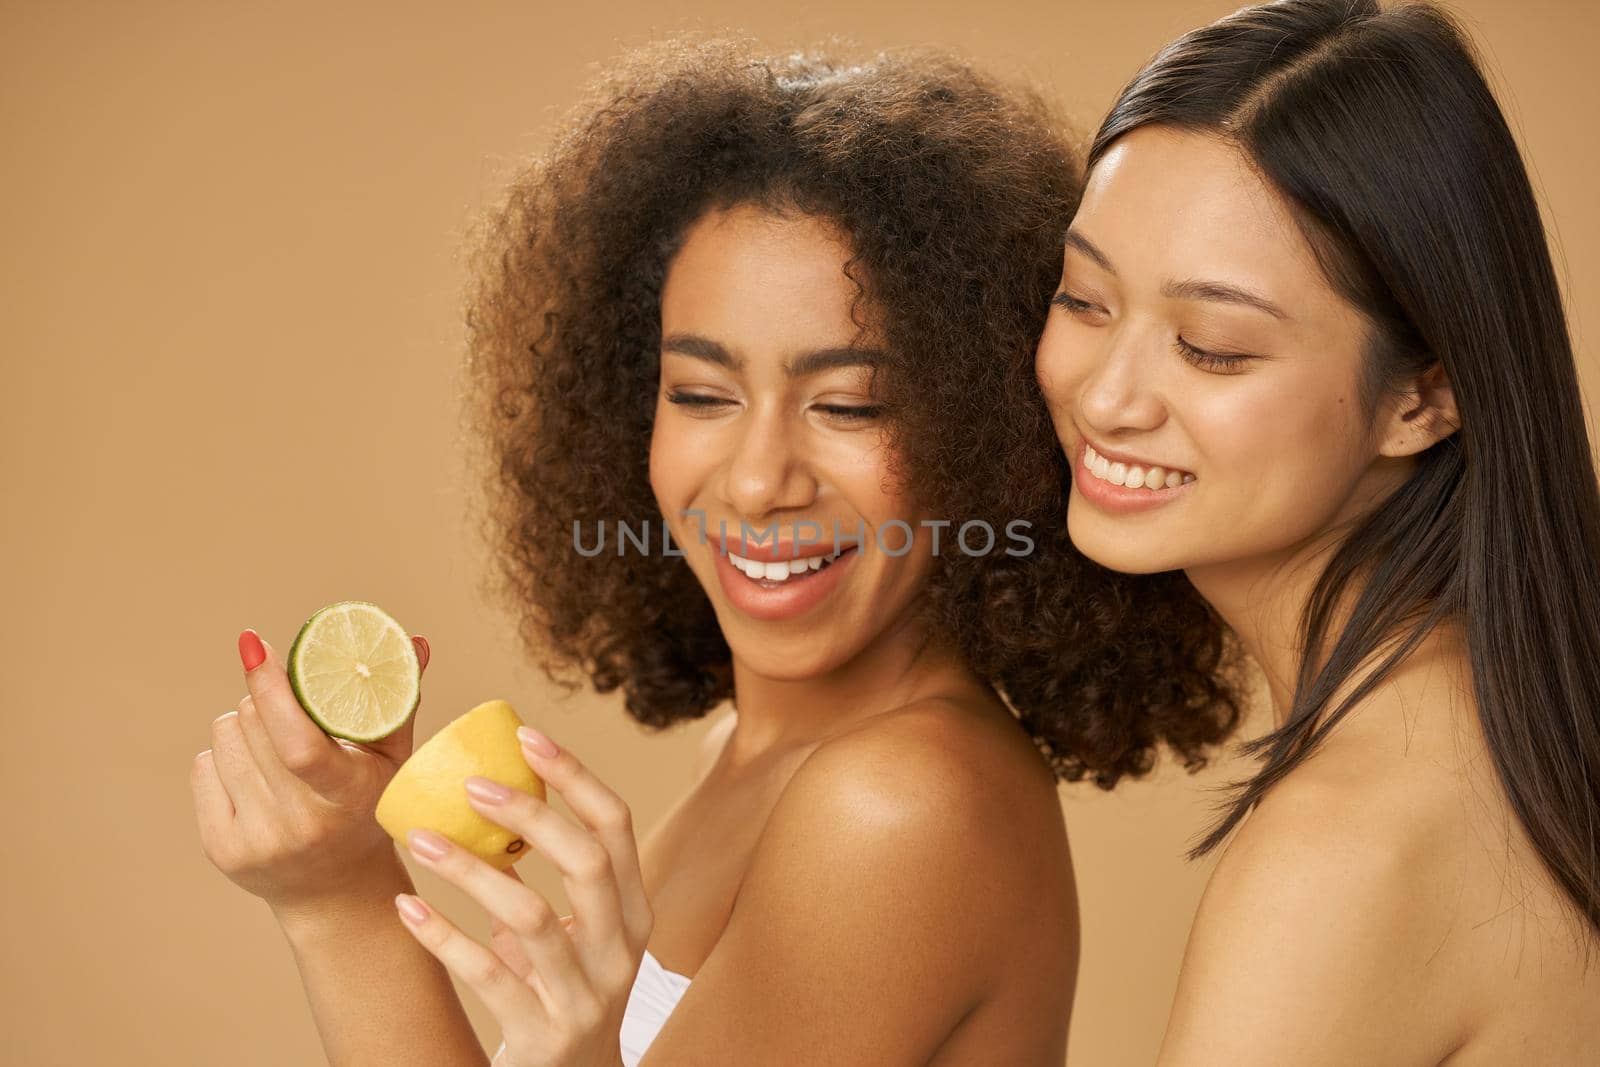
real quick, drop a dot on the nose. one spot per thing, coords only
(768, 470)
(1121, 392)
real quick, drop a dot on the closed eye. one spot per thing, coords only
(696, 400)
(1215, 362)
(1071, 303)
(851, 412)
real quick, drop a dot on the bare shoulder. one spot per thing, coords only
(949, 813)
(954, 738)
(1384, 881)
(940, 765)
(887, 874)
(1324, 910)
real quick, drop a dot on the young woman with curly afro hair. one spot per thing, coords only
(791, 298)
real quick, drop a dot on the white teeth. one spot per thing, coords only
(1134, 476)
(781, 570)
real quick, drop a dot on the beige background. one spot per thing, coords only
(231, 334)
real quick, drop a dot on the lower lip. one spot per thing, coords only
(1118, 498)
(782, 600)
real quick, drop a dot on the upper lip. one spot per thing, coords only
(775, 552)
(1132, 461)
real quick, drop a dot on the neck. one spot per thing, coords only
(1263, 599)
(901, 665)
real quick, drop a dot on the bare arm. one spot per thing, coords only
(377, 996)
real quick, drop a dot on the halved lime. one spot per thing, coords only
(355, 671)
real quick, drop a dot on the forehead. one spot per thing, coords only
(747, 269)
(1175, 204)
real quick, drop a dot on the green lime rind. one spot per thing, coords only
(388, 718)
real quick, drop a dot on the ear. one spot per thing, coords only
(1422, 415)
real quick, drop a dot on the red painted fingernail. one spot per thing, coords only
(250, 651)
(424, 653)
(537, 743)
(412, 908)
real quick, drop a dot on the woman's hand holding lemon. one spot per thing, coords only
(558, 986)
(286, 810)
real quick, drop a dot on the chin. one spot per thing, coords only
(1110, 546)
(782, 665)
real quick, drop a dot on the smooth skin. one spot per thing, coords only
(1381, 905)
(872, 865)
(873, 828)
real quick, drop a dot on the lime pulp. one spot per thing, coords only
(355, 671)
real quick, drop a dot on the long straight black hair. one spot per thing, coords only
(1379, 129)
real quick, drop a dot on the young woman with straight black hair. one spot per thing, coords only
(1309, 349)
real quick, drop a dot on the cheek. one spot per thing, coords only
(861, 468)
(1053, 362)
(1289, 457)
(867, 479)
(672, 459)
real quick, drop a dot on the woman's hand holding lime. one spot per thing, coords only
(286, 809)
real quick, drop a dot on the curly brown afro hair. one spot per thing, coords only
(955, 191)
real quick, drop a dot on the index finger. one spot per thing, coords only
(299, 741)
(606, 815)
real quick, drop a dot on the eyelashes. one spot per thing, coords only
(1217, 362)
(1070, 303)
(844, 412)
(1213, 362)
(695, 400)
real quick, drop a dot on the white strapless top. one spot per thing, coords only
(655, 993)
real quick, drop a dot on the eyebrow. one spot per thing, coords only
(1222, 291)
(1185, 290)
(1090, 249)
(807, 363)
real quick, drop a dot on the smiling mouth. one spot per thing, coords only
(784, 572)
(1132, 475)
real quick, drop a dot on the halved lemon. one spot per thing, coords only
(429, 789)
(355, 671)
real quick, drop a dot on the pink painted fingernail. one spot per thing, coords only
(412, 908)
(537, 743)
(427, 843)
(487, 791)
